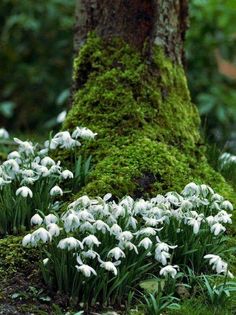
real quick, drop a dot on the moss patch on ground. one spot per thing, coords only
(148, 139)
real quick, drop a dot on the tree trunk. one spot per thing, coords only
(130, 88)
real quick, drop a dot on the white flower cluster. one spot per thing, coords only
(106, 233)
(4, 133)
(227, 159)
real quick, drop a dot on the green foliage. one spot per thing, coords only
(212, 30)
(35, 59)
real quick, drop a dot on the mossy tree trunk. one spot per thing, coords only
(130, 88)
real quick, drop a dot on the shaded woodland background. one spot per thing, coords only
(36, 51)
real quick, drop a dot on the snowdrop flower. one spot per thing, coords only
(50, 218)
(224, 217)
(61, 117)
(83, 201)
(140, 206)
(169, 270)
(40, 234)
(205, 190)
(108, 265)
(26, 240)
(36, 219)
(47, 161)
(132, 222)
(24, 192)
(117, 253)
(89, 254)
(195, 223)
(56, 190)
(191, 189)
(45, 261)
(84, 133)
(71, 222)
(4, 133)
(162, 256)
(25, 147)
(211, 220)
(127, 202)
(14, 155)
(217, 197)
(151, 221)
(52, 144)
(125, 236)
(146, 243)
(115, 229)
(11, 167)
(128, 245)
(91, 240)
(67, 174)
(87, 227)
(147, 231)
(227, 205)
(186, 205)
(101, 226)
(217, 228)
(64, 140)
(86, 270)
(217, 263)
(3, 182)
(53, 229)
(70, 243)
(86, 216)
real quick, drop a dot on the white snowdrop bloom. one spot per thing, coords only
(162, 256)
(217, 228)
(151, 221)
(47, 161)
(87, 227)
(61, 117)
(195, 223)
(40, 234)
(11, 167)
(224, 217)
(90, 254)
(56, 190)
(205, 190)
(108, 265)
(140, 206)
(83, 201)
(169, 270)
(53, 229)
(50, 218)
(159, 199)
(101, 226)
(45, 261)
(86, 270)
(211, 220)
(70, 243)
(186, 205)
(125, 236)
(51, 144)
(84, 133)
(146, 243)
(107, 197)
(67, 174)
(36, 219)
(215, 206)
(55, 169)
(191, 189)
(84, 215)
(24, 191)
(4, 133)
(132, 222)
(115, 229)
(25, 147)
(91, 240)
(71, 222)
(117, 253)
(63, 138)
(227, 205)
(173, 198)
(127, 202)
(217, 263)
(3, 182)
(14, 155)
(147, 231)
(129, 245)
(217, 197)
(118, 211)
(26, 240)
(43, 152)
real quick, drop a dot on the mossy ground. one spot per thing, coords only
(148, 139)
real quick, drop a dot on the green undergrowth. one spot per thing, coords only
(148, 140)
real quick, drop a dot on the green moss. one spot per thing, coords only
(148, 139)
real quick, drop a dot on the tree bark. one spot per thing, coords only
(130, 88)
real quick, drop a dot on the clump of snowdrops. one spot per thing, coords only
(99, 249)
(30, 179)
